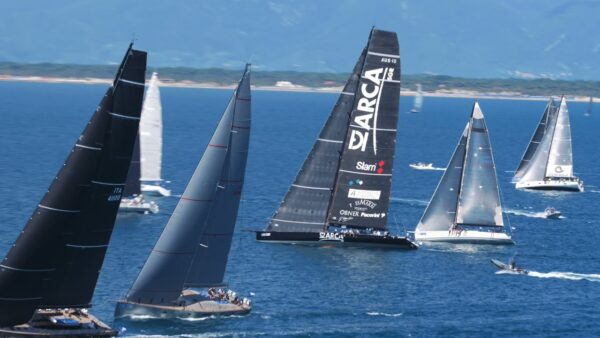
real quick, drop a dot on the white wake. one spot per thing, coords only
(557, 275)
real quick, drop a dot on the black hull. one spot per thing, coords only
(336, 239)
(41, 325)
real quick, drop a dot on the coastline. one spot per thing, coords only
(288, 87)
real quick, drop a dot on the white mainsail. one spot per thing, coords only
(560, 160)
(151, 133)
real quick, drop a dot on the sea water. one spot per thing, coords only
(441, 290)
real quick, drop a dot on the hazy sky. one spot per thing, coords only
(472, 38)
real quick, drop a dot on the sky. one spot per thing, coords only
(469, 38)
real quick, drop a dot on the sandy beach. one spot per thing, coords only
(286, 86)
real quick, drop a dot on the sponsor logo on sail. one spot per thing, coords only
(365, 119)
(558, 169)
(364, 194)
(355, 182)
(372, 167)
(363, 205)
(363, 214)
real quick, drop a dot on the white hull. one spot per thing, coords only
(553, 184)
(155, 190)
(139, 205)
(464, 236)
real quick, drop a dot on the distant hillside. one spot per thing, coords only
(430, 83)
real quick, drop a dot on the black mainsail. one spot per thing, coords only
(345, 181)
(56, 260)
(364, 179)
(192, 249)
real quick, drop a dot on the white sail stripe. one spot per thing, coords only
(86, 246)
(347, 93)
(298, 222)
(56, 209)
(86, 147)
(361, 173)
(25, 270)
(385, 55)
(124, 116)
(308, 187)
(133, 82)
(378, 129)
(108, 183)
(328, 140)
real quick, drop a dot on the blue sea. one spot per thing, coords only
(436, 291)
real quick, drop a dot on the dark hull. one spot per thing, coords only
(41, 326)
(555, 188)
(331, 239)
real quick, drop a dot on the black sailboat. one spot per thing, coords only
(49, 275)
(192, 251)
(341, 194)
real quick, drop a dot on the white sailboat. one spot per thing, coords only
(548, 161)
(466, 207)
(418, 103)
(151, 142)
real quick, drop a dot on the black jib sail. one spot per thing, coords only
(304, 207)
(56, 260)
(192, 249)
(362, 189)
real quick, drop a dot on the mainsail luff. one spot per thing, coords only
(151, 133)
(362, 188)
(304, 207)
(440, 213)
(209, 263)
(479, 197)
(534, 143)
(56, 260)
(560, 159)
(163, 276)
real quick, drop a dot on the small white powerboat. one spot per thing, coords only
(421, 166)
(552, 213)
